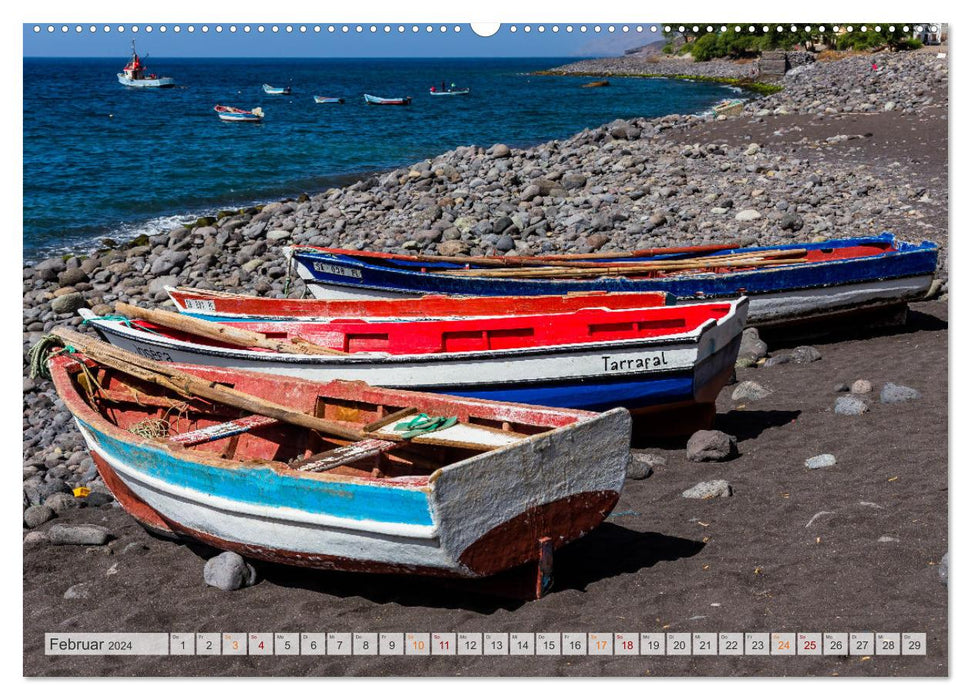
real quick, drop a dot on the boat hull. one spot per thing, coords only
(146, 82)
(471, 520)
(779, 295)
(646, 374)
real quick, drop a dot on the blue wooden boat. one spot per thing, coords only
(270, 90)
(784, 283)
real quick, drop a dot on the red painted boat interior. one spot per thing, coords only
(425, 307)
(125, 407)
(482, 334)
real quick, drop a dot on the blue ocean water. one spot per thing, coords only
(102, 160)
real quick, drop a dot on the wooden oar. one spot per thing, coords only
(222, 332)
(621, 270)
(187, 384)
(540, 260)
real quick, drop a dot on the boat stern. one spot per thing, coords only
(506, 507)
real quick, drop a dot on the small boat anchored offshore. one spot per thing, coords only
(133, 74)
(234, 114)
(328, 100)
(372, 100)
(450, 92)
(270, 90)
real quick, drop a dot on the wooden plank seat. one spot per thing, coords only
(222, 430)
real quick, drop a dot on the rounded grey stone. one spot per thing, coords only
(749, 391)
(850, 406)
(78, 534)
(229, 572)
(38, 515)
(896, 393)
(711, 446)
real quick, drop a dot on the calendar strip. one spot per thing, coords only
(423, 644)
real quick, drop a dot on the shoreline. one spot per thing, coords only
(744, 83)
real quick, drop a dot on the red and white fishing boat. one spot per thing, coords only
(134, 74)
(223, 306)
(665, 360)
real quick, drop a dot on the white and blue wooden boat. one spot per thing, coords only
(134, 74)
(785, 283)
(372, 100)
(326, 475)
(670, 360)
(270, 90)
(234, 114)
(319, 99)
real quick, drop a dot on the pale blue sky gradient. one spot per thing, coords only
(172, 44)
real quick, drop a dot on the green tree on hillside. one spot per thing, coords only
(704, 45)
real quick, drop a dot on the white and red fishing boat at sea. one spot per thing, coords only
(134, 74)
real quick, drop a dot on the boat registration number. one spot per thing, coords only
(200, 304)
(329, 269)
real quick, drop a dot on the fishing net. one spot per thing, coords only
(150, 428)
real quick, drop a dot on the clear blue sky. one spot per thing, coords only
(326, 44)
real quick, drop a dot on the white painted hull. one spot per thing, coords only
(468, 500)
(146, 82)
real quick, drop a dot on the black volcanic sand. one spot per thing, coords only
(752, 562)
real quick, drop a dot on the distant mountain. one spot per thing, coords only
(618, 44)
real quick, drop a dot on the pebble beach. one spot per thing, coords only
(809, 510)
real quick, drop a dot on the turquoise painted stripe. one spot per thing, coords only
(263, 486)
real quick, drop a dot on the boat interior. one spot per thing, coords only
(216, 430)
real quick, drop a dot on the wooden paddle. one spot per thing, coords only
(541, 260)
(751, 260)
(186, 384)
(223, 332)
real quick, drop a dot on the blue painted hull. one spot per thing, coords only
(406, 277)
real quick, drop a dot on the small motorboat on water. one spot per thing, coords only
(328, 100)
(450, 92)
(134, 75)
(234, 114)
(270, 90)
(596, 84)
(372, 100)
